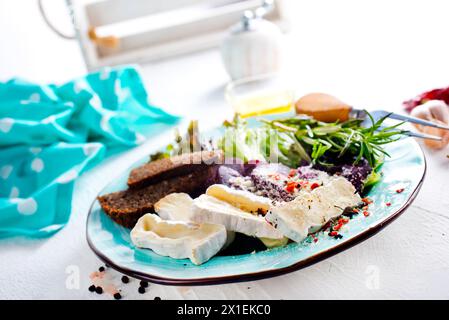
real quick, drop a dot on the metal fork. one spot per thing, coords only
(378, 114)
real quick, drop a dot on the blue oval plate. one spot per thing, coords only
(404, 169)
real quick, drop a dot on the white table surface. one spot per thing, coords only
(372, 54)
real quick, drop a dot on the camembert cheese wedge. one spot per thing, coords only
(309, 211)
(241, 199)
(178, 239)
(178, 207)
(208, 209)
(175, 206)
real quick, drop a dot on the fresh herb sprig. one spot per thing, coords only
(189, 142)
(336, 140)
(304, 139)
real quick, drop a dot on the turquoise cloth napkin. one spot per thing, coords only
(50, 134)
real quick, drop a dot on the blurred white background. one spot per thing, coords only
(389, 45)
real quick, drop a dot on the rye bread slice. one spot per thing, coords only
(155, 171)
(126, 207)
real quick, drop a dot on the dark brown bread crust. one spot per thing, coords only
(183, 164)
(126, 207)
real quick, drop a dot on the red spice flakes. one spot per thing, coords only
(400, 190)
(365, 208)
(367, 200)
(355, 210)
(337, 227)
(314, 185)
(292, 173)
(291, 185)
(315, 239)
(388, 204)
(366, 213)
(303, 183)
(333, 233)
(339, 224)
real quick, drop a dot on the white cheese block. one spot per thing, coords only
(175, 206)
(274, 243)
(212, 210)
(241, 199)
(177, 239)
(311, 210)
(178, 207)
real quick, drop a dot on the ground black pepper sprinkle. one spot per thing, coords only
(99, 290)
(141, 290)
(117, 296)
(144, 284)
(92, 288)
(350, 215)
(125, 279)
(101, 269)
(157, 298)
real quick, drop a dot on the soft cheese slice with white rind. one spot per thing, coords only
(175, 206)
(212, 210)
(241, 199)
(177, 239)
(178, 207)
(311, 210)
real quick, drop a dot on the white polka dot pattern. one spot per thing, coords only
(5, 171)
(27, 206)
(37, 165)
(6, 124)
